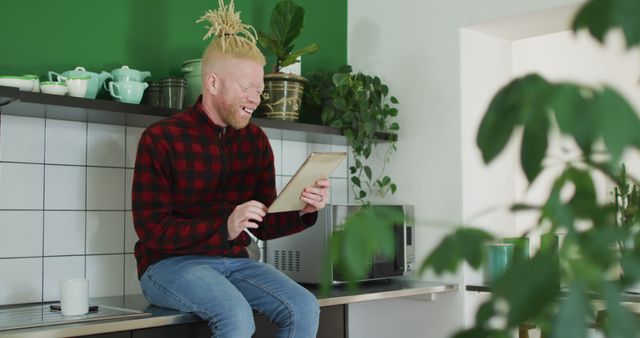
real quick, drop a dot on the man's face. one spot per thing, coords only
(239, 87)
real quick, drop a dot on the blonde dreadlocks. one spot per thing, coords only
(231, 37)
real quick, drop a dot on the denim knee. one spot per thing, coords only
(236, 323)
(304, 315)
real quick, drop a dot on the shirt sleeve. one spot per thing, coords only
(279, 224)
(152, 205)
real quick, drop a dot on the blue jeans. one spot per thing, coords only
(225, 291)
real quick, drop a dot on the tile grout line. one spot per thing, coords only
(44, 194)
(86, 196)
(124, 214)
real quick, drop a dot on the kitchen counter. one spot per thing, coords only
(339, 295)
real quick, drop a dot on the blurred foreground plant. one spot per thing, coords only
(595, 118)
(529, 291)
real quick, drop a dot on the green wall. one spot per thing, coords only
(154, 35)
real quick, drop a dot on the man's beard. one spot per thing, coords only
(231, 118)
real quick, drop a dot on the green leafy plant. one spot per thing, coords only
(286, 25)
(603, 125)
(359, 105)
(626, 201)
(582, 263)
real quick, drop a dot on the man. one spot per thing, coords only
(204, 177)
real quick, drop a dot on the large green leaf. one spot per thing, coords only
(529, 286)
(601, 16)
(573, 107)
(534, 145)
(572, 317)
(567, 102)
(619, 323)
(466, 244)
(513, 105)
(268, 41)
(596, 16)
(584, 202)
(618, 123)
(293, 56)
(286, 22)
(366, 233)
(554, 209)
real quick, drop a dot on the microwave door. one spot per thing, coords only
(393, 266)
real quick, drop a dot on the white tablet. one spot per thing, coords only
(316, 167)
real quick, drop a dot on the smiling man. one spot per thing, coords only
(203, 178)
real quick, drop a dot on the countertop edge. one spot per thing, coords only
(168, 317)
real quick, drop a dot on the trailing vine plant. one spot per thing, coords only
(360, 106)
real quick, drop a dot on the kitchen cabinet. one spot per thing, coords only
(111, 335)
(29, 104)
(332, 325)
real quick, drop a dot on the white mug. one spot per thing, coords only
(77, 86)
(74, 297)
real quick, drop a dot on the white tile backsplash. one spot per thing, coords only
(106, 275)
(57, 269)
(21, 280)
(131, 282)
(64, 187)
(340, 191)
(130, 236)
(343, 168)
(276, 147)
(64, 233)
(21, 139)
(21, 186)
(66, 142)
(127, 188)
(106, 144)
(105, 188)
(20, 234)
(105, 232)
(293, 155)
(318, 148)
(86, 227)
(133, 136)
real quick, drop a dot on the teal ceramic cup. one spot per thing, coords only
(499, 257)
(127, 91)
(520, 246)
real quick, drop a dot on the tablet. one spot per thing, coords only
(316, 167)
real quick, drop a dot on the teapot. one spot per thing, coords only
(125, 73)
(95, 82)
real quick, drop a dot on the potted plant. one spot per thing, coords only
(359, 106)
(282, 95)
(603, 125)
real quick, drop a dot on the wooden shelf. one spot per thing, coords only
(30, 104)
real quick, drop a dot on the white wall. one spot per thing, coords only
(565, 56)
(415, 47)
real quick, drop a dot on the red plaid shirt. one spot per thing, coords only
(189, 176)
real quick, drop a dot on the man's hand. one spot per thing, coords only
(244, 216)
(316, 196)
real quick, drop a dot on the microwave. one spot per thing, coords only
(304, 255)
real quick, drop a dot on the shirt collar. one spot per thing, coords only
(202, 120)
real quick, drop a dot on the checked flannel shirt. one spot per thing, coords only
(189, 176)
